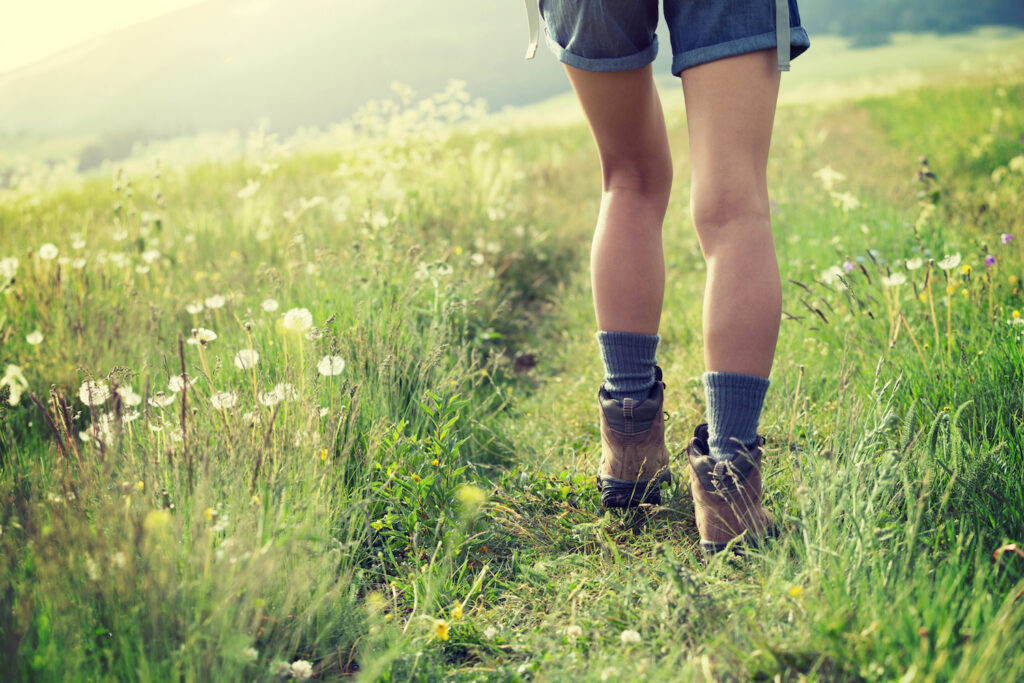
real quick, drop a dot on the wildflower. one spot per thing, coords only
(795, 591)
(94, 393)
(440, 629)
(224, 400)
(269, 398)
(156, 519)
(949, 262)
(142, 270)
(629, 636)
(8, 267)
(250, 654)
(34, 338)
(301, 669)
(16, 383)
(194, 308)
(470, 496)
(435, 462)
(477, 259)
(151, 256)
(210, 514)
(966, 270)
(77, 243)
(609, 673)
(78, 263)
(246, 359)
(281, 668)
(914, 263)
(573, 631)
(269, 305)
(950, 289)
(990, 261)
(201, 335)
(848, 266)
(249, 190)
(180, 382)
(377, 525)
(215, 301)
(845, 201)
(1015, 315)
(298, 320)
(331, 365)
(831, 275)
(457, 611)
(161, 399)
(828, 177)
(128, 396)
(1006, 238)
(894, 280)
(48, 252)
(490, 633)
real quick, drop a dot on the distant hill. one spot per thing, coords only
(226, 63)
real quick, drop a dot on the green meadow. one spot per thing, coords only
(326, 409)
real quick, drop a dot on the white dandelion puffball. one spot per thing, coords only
(224, 400)
(14, 380)
(194, 308)
(78, 263)
(894, 280)
(914, 263)
(128, 396)
(629, 636)
(151, 256)
(950, 262)
(8, 268)
(94, 393)
(201, 335)
(177, 383)
(268, 398)
(215, 301)
(269, 305)
(34, 338)
(331, 365)
(246, 359)
(250, 654)
(48, 251)
(161, 399)
(301, 670)
(573, 631)
(298, 320)
(282, 392)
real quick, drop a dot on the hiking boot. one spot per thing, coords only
(727, 495)
(634, 459)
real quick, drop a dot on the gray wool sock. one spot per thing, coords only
(629, 360)
(734, 410)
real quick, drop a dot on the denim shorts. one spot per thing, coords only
(618, 35)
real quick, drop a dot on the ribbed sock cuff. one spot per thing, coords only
(629, 359)
(734, 410)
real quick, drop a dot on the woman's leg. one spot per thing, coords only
(730, 108)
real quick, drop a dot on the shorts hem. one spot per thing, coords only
(799, 42)
(636, 60)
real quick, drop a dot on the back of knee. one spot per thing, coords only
(649, 177)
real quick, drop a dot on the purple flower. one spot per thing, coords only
(1006, 238)
(848, 266)
(990, 260)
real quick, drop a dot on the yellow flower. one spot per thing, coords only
(156, 519)
(435, 462)
(323, 455)
(142, 486)
(1013, 279)
(950, 289)
(966, 270)
(457, 611)
(378, 525)
(795, 591)
(210, 513)
(417, 478)
(470, 495)
(440, 629)
(1015, 314)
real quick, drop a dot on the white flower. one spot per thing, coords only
(246, 359)
(573, 631)
(194, 308)
(78, 243)
(78, 263)
(629, 636)
(950, 262)
(269, 398)
(331, 365)
(250, 417)
(269, 305)
(282, 392)
(298, 320)
(828, 177)
(301, 669)
(34, 338)
(201, 335)
(477, 259)
(48, 251)
(250, 654)
(490, 633)
(609, 673)
(845, 201)
(280, 668)
(151, 256)
(177, 383)
(94, 393)
(15, 381)
(215, 301)
(224, 400)
(141, 269)
(8, 267)
(894, 280)
(128, 396)
(914, 263)
(831, 275)
(161, 399)
(249, 190)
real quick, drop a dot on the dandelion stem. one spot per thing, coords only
(796, 399)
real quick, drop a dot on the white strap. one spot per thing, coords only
(781, 32)
(533, 16)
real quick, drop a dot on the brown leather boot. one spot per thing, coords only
(634, 459)
(727, 495)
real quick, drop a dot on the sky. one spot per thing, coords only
(33, 29)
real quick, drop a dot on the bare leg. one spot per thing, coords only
(730, 107)
(627, 264)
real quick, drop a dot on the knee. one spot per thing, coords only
(730, 215)
(648, 177)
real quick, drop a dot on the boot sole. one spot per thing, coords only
(752, 543)
(627, 494)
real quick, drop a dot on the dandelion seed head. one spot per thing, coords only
(215, 301)
(269, 305)
(629, 636)
(151, 256)
(224, 400)
(194, 308)
(128, 396)
(48, 251)
(914, 263)
(331, 366)
(201, 335)
(34, 338)
(573, 631)
(15, 381)
(246, 359)
(94, 392)
(298, 319)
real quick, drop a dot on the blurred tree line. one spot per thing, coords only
(869, 22)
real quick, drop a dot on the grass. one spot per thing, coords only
(429, 511)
